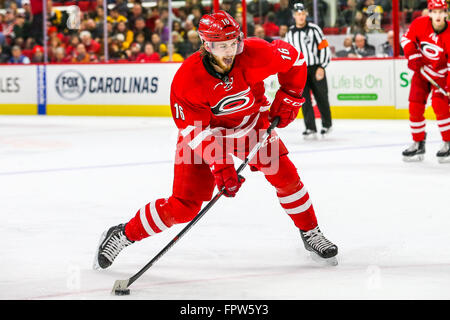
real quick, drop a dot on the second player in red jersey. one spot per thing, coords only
(427, 47)
(219, 106)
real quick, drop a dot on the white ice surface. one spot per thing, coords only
(64, 180)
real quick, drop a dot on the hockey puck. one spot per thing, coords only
(122, 292)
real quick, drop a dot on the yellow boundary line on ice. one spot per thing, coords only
(338, 112)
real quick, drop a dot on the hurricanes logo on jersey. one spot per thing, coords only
(227, 85)
(430, 50)
(234, 103)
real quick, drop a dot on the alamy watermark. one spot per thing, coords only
(374, 17)
(198, 144)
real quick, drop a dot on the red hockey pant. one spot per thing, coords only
(420, 90)
(194, 184)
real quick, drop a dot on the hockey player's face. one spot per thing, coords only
(224, 53)
(438, 17)
(224, 48)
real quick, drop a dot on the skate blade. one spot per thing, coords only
(326, 262)
(95, 264)
(326, 134)
(417, 158)
(310, 137)
(443, 159)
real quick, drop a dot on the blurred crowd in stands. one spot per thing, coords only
(138, 31)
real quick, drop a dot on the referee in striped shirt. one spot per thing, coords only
(309, 39)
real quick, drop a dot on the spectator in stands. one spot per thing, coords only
(193, 43)
(188, 26)
(60, 56)
(259, 9)
(153, 15)
(149, 54)
(411, 6)
(73, 42)
(157, 44)
(8, 25)
(121, 42)
(37, 54)
(362, 48)
(260, 33)
(26, 10)
(54, 43)
(270, 28)
(359, 25)
(322, 11)
(115, 17)
(29, 44)
(56, 16)
(387, 47)
(164, 15)
(250, 25)
(178, 43)
(198, 3)
(128, 35)
(176, 57)
(21, 27)
(99, 15)
(139, 38)
(162, 30)
(90, 45)
(347, 16)
(282, 33)
(53, 33)
(81, 55)
(17, 57)
(196, 15)
(134, 51)
(227, 6)
(116, 51)
(348, 51)
(140, 27)
(137, 11)
(284, 15)
(176, 26)
(95, 29)
(121, 7)
(4, 57)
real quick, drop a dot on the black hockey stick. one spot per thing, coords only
(121, 286)
(430, 79)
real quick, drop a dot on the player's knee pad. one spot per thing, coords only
(416, 111)
(286, 179)
(440, 106)
(175, 210)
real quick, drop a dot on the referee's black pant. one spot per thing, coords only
(320, 92)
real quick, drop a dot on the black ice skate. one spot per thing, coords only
(443, 155)
(111, 243)
(415, 152)
(322, 249)
(309, 134)
(325, 131)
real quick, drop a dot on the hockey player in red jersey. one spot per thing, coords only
(217, 101)
(427, 47)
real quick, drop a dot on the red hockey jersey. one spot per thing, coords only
(205, 104)
(421, 39)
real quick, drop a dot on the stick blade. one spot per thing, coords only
(120, 288)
